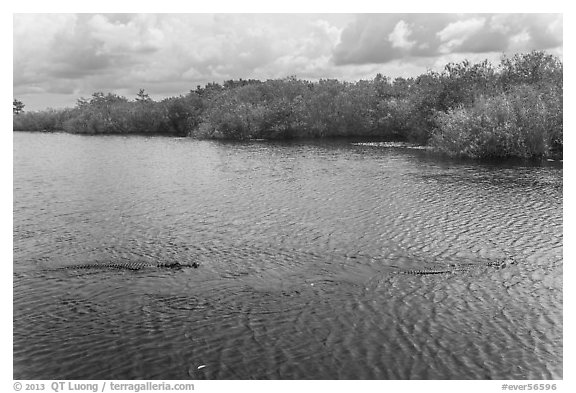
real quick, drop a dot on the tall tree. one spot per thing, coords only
(18, 107)
(142, 96)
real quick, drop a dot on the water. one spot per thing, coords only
(304, 250)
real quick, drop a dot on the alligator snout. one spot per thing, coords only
(502, 263)
(178, 265)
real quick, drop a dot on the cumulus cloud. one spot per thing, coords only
(381, 38)
(400, 36)
(456, 33)
(168, 54)
(162, 52)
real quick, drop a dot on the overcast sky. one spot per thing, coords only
(58, 58)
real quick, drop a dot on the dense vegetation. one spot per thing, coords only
(475, 110)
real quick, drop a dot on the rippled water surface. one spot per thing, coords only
(307, 257)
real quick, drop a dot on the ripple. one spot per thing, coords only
(303, 252)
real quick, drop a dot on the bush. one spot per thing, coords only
(178, 115)
(518, 123)
(468, 109)
(49, 120)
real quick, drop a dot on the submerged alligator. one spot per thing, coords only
(435, 269)
(499, 263)
(132, 265)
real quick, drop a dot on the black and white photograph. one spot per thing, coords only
(330, 196)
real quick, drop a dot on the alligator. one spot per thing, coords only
(499, 263)
(132, 265)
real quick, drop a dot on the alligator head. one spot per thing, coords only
(178, 265)
(502, 262)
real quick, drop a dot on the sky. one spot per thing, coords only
(58, 58)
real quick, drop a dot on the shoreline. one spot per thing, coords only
(353, 140)
(468, 110)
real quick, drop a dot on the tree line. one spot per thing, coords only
(475, 110)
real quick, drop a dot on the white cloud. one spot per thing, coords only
(382, 38)
(520, 40)
(461, 28)
(168, 54)
(456, 33)
(137, 35)
(400, 36)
